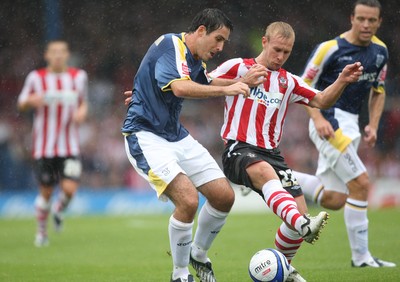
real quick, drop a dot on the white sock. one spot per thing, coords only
(180, 237)
(312, 187)
(287, 241)
(42, 207)
(210, 222)
(355, 218)
(282, 204)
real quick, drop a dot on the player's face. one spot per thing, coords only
(365, 22)
(210, 44)
(277, 50)
(57, 55)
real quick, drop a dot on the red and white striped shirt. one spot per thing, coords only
(258, 120)
(55, 134)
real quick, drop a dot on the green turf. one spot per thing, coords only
(136, 249)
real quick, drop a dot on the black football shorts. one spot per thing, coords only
(49, 171)
(238, 156)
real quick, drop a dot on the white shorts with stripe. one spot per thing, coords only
(338, 161)
(160, 161)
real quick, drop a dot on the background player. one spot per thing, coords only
(335, 131)
(162, 150)
(253, 128)
(57, 94)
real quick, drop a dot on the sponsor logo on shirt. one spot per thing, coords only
(311, 72)
(369, 76)
(185, 69)
(268, 99)
(345, 59)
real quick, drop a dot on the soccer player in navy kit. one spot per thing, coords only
(162, 150)
(335, 131)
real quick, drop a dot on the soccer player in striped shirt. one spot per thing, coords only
(335, 131)
(253, 128)
(57, 95)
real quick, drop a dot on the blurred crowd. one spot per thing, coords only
(108, 40)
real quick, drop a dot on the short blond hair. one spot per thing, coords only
(280, 29)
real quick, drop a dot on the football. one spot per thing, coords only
(269, 265)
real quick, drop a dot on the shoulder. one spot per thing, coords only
(327, 46)
(36, 74)
(379, 44)
(377, 41)
(324, 50)
(230, 69)
(170, 40)
(77, 73)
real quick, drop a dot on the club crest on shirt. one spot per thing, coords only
(379, 60)
(283, 82)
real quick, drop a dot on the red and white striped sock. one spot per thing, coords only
(42, 208)
(62, 202)
(287, 241)
(282, 204)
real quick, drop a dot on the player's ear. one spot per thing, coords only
(379, 22)
(264, 41)
(202, 30)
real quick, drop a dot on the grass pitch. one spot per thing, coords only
(136, 248)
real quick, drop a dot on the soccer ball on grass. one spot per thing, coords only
(269, 265)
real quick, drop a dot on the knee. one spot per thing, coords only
(360, 187)
(333, 201)
(189, 206)
(223, 201)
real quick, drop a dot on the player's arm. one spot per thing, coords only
(83, 106)
(323, 127)
(34, 101)
(328, 97)
(27, 99)
(314, 68)
(254, 77)
(185, 88)
(81, 113)
(376, 105)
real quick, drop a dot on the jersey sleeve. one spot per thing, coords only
(172, 65)
(229, 69)
(316, 62)
(83, 93)
(302, 93)
(28, 87)
(379, 84)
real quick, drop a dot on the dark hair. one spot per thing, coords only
(369, 3)
(51, 41)
(212, 19)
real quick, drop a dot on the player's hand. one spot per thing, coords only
(35, 101)
(370, 136)
(128, 99)
(237, 89)
(324, 128)
(351, 73)
(79, 117)
(255, 76)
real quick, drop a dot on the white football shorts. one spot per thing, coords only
(338, 161)
(160, 161)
